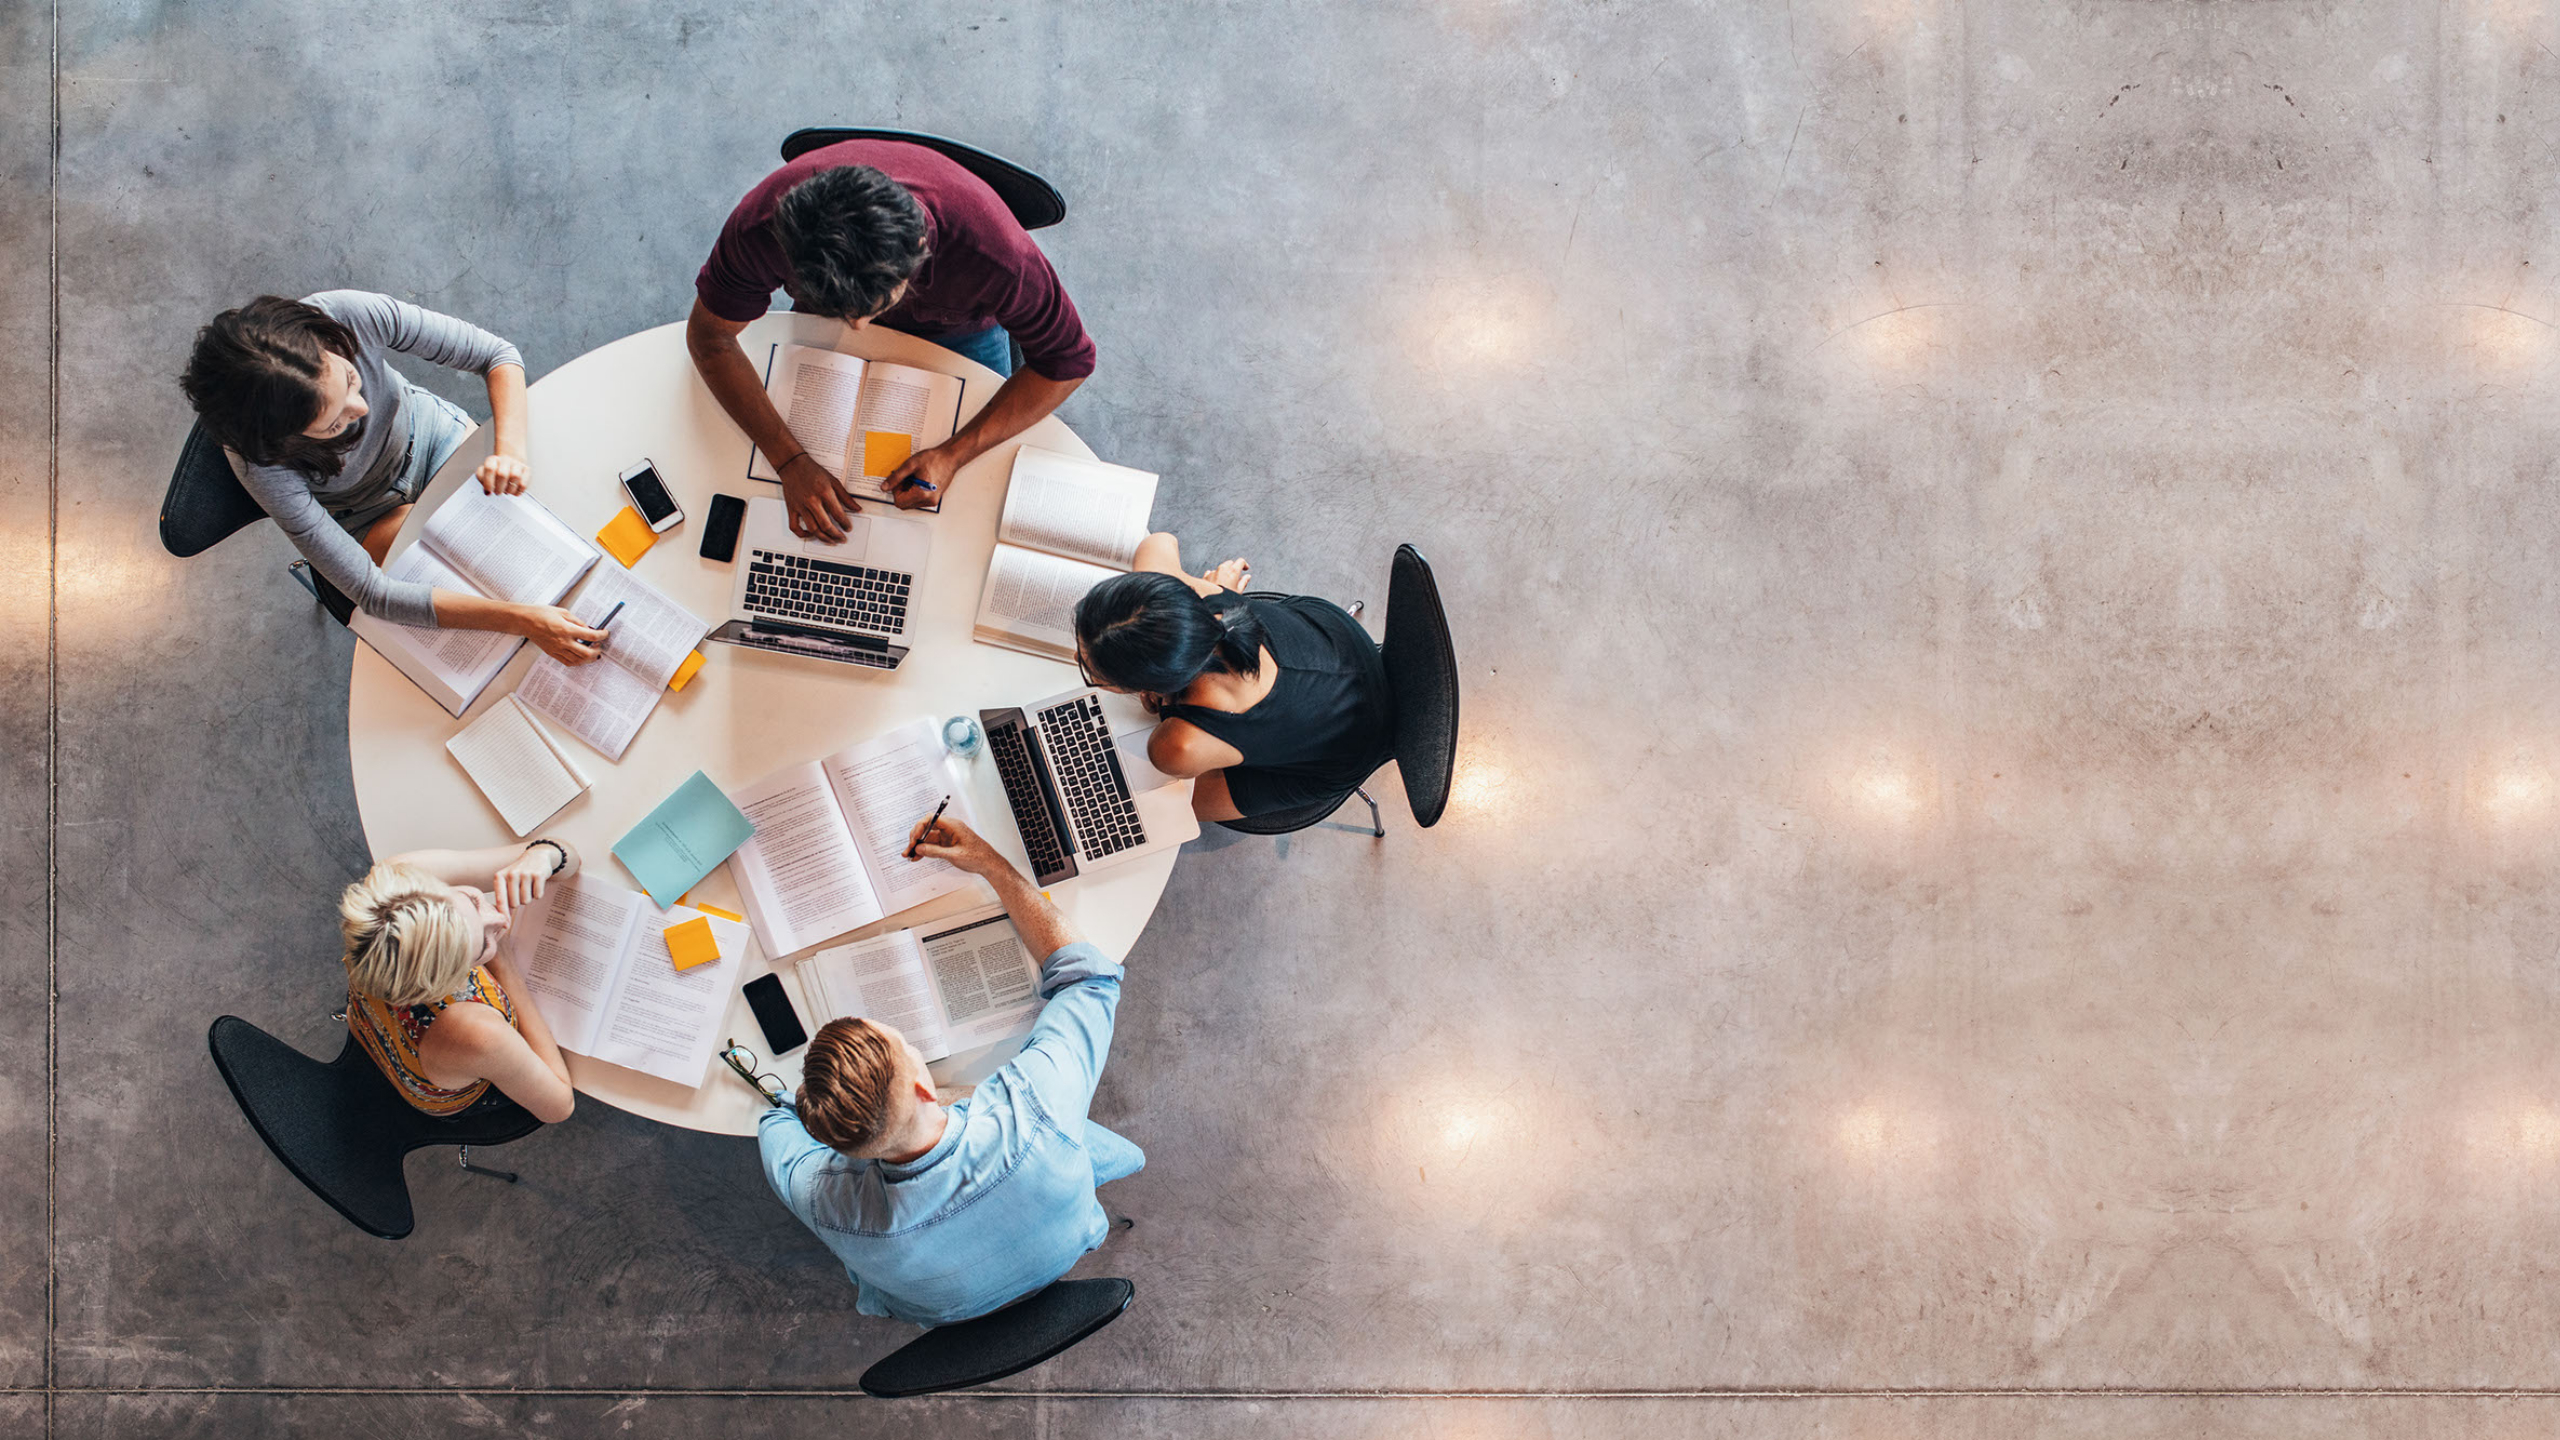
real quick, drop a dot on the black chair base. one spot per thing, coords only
(1008, 1342)
(1282, 822)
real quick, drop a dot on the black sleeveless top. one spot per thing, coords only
(1329, 719)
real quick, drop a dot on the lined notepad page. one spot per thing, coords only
(506, 754)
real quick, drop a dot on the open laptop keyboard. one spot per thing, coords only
(1090, 779)
(822, 592)
(1010, 745)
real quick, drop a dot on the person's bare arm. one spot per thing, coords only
(562, 636)
(1182, 749)
(474, 1042)
(1025, 399)
(818, 502)
(514, 872)
(1162, 553)
(1044, 930)
(505, 472)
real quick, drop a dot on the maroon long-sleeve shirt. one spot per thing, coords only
(982, 267)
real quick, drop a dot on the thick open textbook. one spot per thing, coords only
(1068, 525)
(517, 764)
(857, 418)
(950, 986)
(830, 849)
(603, 701)
(507, 547)
(595, 957)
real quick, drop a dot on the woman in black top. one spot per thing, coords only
(1271, 702)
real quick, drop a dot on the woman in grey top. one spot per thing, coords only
(336, 445)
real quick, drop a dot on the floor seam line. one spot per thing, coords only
(52, 711)
(1700, 1393)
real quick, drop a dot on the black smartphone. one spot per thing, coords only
(720, 537)
(774, 1015)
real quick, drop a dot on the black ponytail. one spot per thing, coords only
(1149, 631)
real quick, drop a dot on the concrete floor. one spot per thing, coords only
(2003, 880)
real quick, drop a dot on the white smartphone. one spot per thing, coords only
(649, 496)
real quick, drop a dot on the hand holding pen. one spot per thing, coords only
(927, 828)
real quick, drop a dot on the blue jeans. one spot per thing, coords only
(990, 347)
(1113, 1158)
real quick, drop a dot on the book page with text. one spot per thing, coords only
(651, 635)
(665, 1021)
(1031, 596)
(570, 954)
(882, 979)
(524, 775)
(802, 877)
(508, 546)
(886, 785)
(815, 392)
(452, 665)
(988, 982)
(1083, 509)
(599, 702)
(920, 407)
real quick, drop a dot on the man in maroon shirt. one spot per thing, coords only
(880, 230)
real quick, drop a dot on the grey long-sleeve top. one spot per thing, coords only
(307, 509)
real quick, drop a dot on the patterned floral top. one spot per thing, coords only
(391, 1035)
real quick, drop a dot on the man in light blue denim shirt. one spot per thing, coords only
(942, 1213)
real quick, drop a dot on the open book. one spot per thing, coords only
(857, 418)
(596, 960)
(517, 765)
(830, 849)
(603, 701)
(507, 547)
(1068, 525)
(950, 986)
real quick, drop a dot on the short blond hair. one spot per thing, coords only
(848, 1082)
(407, 942)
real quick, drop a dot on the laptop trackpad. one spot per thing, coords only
(1141, 772)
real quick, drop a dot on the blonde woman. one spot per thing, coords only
(433, 997)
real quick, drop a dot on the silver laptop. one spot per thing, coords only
(846, 602)
(1076, 775)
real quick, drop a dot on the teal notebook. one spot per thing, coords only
(692, 831)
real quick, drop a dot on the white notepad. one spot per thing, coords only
(515, 762)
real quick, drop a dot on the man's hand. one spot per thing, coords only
(966, 849)
(562, 636)
(923, 478)
(819, 504)
(502, 475)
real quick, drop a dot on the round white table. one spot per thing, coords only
(747, 713)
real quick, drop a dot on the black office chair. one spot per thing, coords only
(1035, 203)
(340, 1127)
(1012, 1340)
(207, 505)
(1422, 675)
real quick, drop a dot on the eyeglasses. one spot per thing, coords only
(1086, 670)
(743, 1060)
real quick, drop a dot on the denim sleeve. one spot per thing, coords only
(789, 1152)
(415, 330)
(1062, 1061)
(287, 497)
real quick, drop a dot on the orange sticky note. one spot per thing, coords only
(692, 943)
(627, 537)
(884, 451)
(688, 900)
(684, 670)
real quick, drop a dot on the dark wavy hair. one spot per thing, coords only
(852, 235)
(1149, 631)
(254, 379)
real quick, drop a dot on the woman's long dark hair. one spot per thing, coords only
(1150, 631)
(255, 382)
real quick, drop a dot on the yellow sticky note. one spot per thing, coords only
(627, 537)
(692, 943)
(684, 670)
(884, 451)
